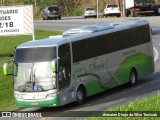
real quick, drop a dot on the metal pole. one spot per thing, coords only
(124, 10)
(33, 33)
(35, 8)
(3, 2)
(35, 4)
(97, 11)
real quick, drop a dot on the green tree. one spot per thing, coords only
(67, 7)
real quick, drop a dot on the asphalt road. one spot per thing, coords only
(117, 96)
(65, 24)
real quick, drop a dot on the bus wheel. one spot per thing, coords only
(133, 78)
(80, 96)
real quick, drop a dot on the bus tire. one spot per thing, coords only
(80, 96)
(133, 78)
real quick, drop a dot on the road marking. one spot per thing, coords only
(156, 54)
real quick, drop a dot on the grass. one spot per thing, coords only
(7, 45)
(146, 104)
(140, 105)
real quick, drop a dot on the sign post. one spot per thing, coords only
(16, 20)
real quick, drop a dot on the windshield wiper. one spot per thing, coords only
(34, 76)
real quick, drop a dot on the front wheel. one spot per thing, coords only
(80, 96)
(133, 78)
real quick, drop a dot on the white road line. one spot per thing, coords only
(156, 54)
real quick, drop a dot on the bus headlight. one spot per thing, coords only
(17, 95)
(49, 95)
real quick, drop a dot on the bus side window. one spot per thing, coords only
(64, 66)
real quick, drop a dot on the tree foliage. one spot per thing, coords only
(68, 7)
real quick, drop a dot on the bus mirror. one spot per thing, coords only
(54, 61)
(53, 66)
(5, 67)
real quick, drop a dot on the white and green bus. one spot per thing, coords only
(81, 62)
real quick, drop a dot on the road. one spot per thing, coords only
(65, 24)
(121, 95)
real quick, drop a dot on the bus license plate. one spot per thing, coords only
(34, 103)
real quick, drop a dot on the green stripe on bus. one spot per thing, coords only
(141, 62)
(54, 101)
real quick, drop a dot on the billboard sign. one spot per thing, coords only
(16, 20)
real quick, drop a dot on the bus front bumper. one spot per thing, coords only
(48, 102)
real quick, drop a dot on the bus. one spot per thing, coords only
(81, 62)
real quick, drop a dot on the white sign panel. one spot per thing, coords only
(15, 20)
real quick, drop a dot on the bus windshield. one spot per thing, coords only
(33, 69)
(38, 54)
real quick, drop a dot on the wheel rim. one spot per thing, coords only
(133, 78)
(79, 96)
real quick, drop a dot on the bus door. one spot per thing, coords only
(64, 74)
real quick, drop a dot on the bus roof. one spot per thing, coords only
(76, 34)
(44, 42)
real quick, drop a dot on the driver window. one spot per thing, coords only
(64, 66)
